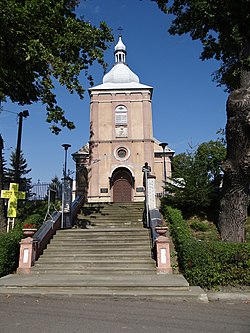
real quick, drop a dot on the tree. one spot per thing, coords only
(196, 179)
(24, 182)
(2, 162)
(223, 29)
(44, 41)
(56, 185)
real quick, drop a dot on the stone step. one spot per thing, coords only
(117, 223)
(109, 238)
(100, 231)
(134, 286)
(108, 219)
(114, 204)
(84, 263)
(108, 224)
(104, 213)
(195, 294)
(155, 281)
(98, 260)
(76, 230)
(94, 271)
(110, 212)
(96, 254)
(113, 219)
(128, 241)
(101, 247)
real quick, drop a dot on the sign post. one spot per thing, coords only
(13, 195)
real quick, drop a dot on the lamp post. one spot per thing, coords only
(146, 169)
(21, 115)
(65, 204)
(163, 145)
(66, 146)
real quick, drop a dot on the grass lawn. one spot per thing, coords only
(207, 231)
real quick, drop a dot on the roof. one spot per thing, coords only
(120, 76)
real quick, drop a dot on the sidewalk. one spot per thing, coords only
(230, 294)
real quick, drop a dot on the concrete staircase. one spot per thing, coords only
(111, 215)
(97, 251)
(112, 241)
(107, 255)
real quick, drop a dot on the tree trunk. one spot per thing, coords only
(236, 181)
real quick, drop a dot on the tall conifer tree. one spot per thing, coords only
(25, 182)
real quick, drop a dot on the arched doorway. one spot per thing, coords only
(121, 185)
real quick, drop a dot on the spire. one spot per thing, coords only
(120, 73)
(120, 51)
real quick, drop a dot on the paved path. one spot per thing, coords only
(54, 314)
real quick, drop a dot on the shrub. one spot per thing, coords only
(208, 264)
(34, 219)
(199, 226)
(9, 251)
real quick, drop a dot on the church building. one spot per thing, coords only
(121, 139)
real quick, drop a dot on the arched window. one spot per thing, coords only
(121, 115)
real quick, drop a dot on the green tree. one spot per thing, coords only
(223, 29)
(196, 179)
(44, 41)
(56, 185)
(24, 183)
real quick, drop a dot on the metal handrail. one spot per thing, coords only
(49, 227)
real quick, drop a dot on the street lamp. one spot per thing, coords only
(65, 200)
(163, 145)
(21, 115)
(146, 169)
(66, 147)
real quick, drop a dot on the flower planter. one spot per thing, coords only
(29, 232)
(161, 231)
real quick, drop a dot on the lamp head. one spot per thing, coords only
(163, 145)
(25, 113)
(66, 146)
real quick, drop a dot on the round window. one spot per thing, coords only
(122, 152)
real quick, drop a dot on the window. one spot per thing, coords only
(121, 115)
(121, 153)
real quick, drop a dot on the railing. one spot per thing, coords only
(76, 205)
(44, 234)
(32, 248)
(39, 191)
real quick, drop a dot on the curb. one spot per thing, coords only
(223, 296)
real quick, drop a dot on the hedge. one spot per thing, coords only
(208, 264)
(9, 251)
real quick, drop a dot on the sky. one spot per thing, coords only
(188, 108)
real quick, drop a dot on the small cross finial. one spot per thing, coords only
(120, 29)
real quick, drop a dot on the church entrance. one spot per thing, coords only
(121, 185)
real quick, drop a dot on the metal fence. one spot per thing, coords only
(39, 191)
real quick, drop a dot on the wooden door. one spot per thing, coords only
(122, 186)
